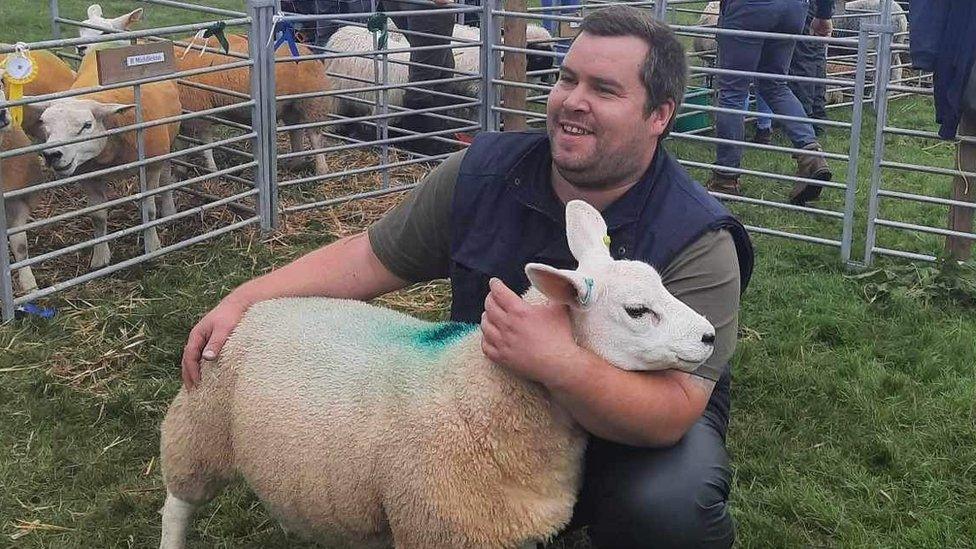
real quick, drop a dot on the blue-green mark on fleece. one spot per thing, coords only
(441, 335)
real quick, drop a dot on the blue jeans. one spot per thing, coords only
(762, 122)
(550, 25)
(746, 53)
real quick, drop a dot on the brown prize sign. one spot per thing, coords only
(128, 63)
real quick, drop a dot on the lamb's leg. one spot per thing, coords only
(153, 173)
(317, 140)
(18, 212)
(295, 139)
(316, 109)
(176, 521)
(166, 203)
(305, 112)
(207, 136)
(196, 454)
(101, 255)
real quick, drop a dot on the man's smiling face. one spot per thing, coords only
(600, 132)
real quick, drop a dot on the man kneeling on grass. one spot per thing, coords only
(656, 471)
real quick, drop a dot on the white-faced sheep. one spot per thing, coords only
(352, 39)
(94, 113)
(53, 75)
(361, 424)
(290, 79)
(705, 47)
(868, 12)
(18, 172)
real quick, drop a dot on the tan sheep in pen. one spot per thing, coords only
(290, 79)
(94, 113)
(356, 424)
(18, 172)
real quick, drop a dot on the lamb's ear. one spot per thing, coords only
(94, 11)
(561, 285)
(34, 110)
(585, 231)
(123, 22)
(101, 110)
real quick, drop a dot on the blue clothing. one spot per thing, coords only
(755, 54)
(762, 122)
(942, 41)
(821, 9)
(504, 215)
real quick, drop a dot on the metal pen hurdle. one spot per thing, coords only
(832, 223)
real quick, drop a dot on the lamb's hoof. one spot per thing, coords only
(167, 208)
(321, 166)
(152, 241)
(101, 257)
(27, 282)
(297, 164)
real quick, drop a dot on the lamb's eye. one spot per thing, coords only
(637, 312)
(85, 126)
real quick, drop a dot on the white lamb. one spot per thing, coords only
(847, 27)
(705, 47)
(352, 39)
(362, 425)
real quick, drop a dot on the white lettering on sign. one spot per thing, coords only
(146, 59)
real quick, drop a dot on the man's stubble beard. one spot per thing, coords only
(606, 172)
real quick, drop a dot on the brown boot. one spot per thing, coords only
(724, 184)
(809, 167)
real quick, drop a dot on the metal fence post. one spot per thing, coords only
(6, 277)
(263, 112)
(55, 24)
(489, 65)
(881, 106)
(854, 152)
(661, 10)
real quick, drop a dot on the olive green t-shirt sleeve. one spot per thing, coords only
(705, 276)
(413, 240)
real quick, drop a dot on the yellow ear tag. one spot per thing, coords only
(19, 69)
(606, 240)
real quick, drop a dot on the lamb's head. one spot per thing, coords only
(95, 19)
(620, 308)
(4, 112)
(70, 118)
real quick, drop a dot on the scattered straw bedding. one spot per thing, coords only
(336, 221)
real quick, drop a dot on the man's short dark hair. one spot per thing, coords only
(665, 69)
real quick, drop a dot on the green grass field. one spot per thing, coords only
(853, 419)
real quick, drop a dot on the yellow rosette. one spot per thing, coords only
(20, 69)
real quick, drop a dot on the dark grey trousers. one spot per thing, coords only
(661, 497)
(810, 59)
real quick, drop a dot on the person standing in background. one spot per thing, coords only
(772, 56)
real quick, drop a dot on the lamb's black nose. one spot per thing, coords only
(4, 120)
(51, 157)
(708, 339)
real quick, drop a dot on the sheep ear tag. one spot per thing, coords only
(584, 299)
(19, 69)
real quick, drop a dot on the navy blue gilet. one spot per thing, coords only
(505, 215)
